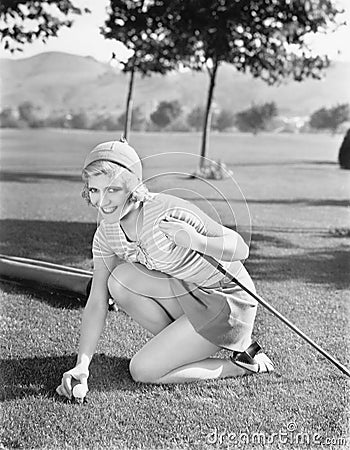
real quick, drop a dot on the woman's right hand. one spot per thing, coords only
(79, 373)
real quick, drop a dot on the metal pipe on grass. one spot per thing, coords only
(37, 273)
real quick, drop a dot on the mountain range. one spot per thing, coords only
(58, 82)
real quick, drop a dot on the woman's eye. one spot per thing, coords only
(92, 190)
(112, 190)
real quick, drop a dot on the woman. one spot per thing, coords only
(164, 284)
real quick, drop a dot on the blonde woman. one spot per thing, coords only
(164, 283)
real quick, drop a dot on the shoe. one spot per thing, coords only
(251, 361)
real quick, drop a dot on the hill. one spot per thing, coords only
(60, 82)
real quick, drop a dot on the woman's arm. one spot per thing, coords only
(95, 311)
(190, 227)
(229, 246)
(93, 321)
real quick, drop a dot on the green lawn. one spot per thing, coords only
(297, 221)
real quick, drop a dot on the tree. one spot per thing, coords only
(338, 115)
(319, 119)
(139, 25)
(330, 119)
(264, 37)
(79, 120)
(24, 21)
(256, 118)
(9, 118)
(224, 120)
(165, 113)
(105, 122)
(27, 113)
(195, 117)
(138, 120)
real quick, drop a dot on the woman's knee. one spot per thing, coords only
(120, 283)
(143, 370)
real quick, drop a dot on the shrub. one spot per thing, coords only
(331, 118)
(224, 120)
(166, 113)
(256, 118)
(195, 118)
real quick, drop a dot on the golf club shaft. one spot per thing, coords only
(280, 316)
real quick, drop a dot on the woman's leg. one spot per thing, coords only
(178, 354)
(145, 295)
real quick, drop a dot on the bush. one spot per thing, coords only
(256, 118)
(80, 121)
(224, 120)
(215, 170)
(9, 119)
(106, 122)
(179, 124)
(166, 113)
(138, 120)
(331, 118)
(195, 118)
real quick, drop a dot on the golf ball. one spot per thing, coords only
(79, 391)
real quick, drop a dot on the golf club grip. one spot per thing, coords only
(276, 313)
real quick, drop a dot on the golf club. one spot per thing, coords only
(276, 313)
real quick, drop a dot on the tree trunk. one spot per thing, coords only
(129, 104)
(208, 111)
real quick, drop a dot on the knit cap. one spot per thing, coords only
(118, 152)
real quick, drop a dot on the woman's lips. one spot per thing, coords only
(109, 210)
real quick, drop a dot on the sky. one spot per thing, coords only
(84, 37)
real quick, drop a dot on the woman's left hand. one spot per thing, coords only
(180, 232)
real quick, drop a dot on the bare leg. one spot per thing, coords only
(145, 296)
(179, 354)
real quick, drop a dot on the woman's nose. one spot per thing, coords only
(103, 200)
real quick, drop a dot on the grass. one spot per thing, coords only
(297, 198)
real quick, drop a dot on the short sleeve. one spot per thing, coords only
(100, 247)
(194, 216)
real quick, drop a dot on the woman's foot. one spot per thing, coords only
(252, 361)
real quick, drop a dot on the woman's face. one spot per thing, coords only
(108, 195)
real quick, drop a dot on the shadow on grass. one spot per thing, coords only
(34, 177)
(317, 231)
(41, 376)
(22, 377)
(321, 163)
(66, 243)
(324, 266)
(284, 163)
(283, 201)
(69, 243)
(302, 201)
(269, 240)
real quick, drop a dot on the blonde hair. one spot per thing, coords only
(131, 184)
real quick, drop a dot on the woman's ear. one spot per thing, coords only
(85, 194)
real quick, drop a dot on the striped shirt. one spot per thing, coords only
(155, 251)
